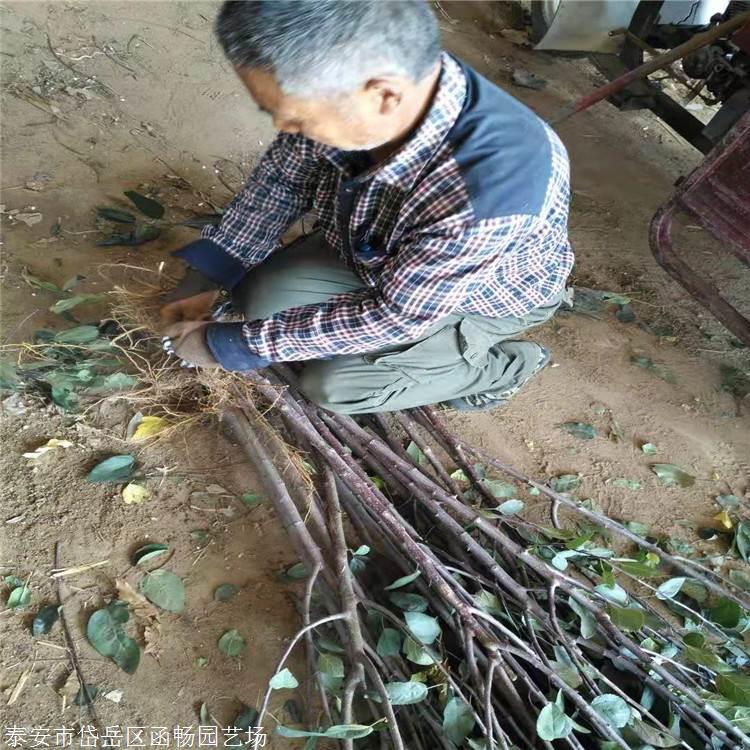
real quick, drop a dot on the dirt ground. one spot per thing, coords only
(100, 97)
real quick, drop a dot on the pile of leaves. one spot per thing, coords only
(438, 615)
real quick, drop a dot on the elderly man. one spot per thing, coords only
(441, 204)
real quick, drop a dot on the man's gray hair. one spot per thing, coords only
(327, 47)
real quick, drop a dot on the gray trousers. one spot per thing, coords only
(459, 356)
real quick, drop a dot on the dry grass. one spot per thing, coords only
(179, 394)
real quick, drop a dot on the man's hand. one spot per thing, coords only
(191, 300)
(189, 343)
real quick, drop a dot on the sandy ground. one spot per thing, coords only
(106, 96)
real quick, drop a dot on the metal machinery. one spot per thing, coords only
(617, 34)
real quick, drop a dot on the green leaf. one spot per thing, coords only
(19, 597)
(416, 454)
(651, 735)
(149, 552)
(36, 283)
(408, 602)
(565, 482)
(326, 644)
(614, 593)
(113, 469)
(418, 654)
(742, 540)
(148, 206)
(116, 381)
(581, 430)
(424, 628)
(641, 529)
(68, 303)
(552, 723)
(488, 602)
(726, 613)
(694, 639)
(251, 499)
(77, 335)
(499, 489)
(13, 581)
(649, 449)
(661, 372)
(403, 581)
(670, 475)
(406, 693)
(459, 475)
(458, 720)
(165, 589)
(201, 661)
(669, 589)
(9, 379)
(72, 281)
(200, 536)
(740, 579)
(705, 658)
(389, 643)
(331, 665)
(338, 732)
(294, 573)
(626, 618)
(86, 695)
(588, 621)
(628, 484)
(728, 501)
(361, 551)
(139, 236)
(735, 687)
(283, 680)
(45, 619)
(613, 709)
(225, 591)
(106, 634)
(231, 643)
(511, 507)
(115, 214)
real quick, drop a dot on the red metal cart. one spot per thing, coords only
(716, 195)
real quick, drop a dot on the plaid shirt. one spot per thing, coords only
(468, 216)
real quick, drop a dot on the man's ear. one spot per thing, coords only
(385, 94)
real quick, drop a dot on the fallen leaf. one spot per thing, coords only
(628, 484)
(231, 643)
(115, 214)
(68, 303)
(149, 552)
(148, 206)
(112, 469)
(51, 444)
(565, 482)
(649, 449)
(148, 427)
(724, 520)
(580, 430)
(660, 371)
(670, 475)
(165, 589)
(528, 80)
(105, 632)
(45, 619)
(225, 591)
(134, 494)
(114, 695)
(30, 219)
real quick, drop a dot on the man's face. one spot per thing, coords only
(359, 121)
